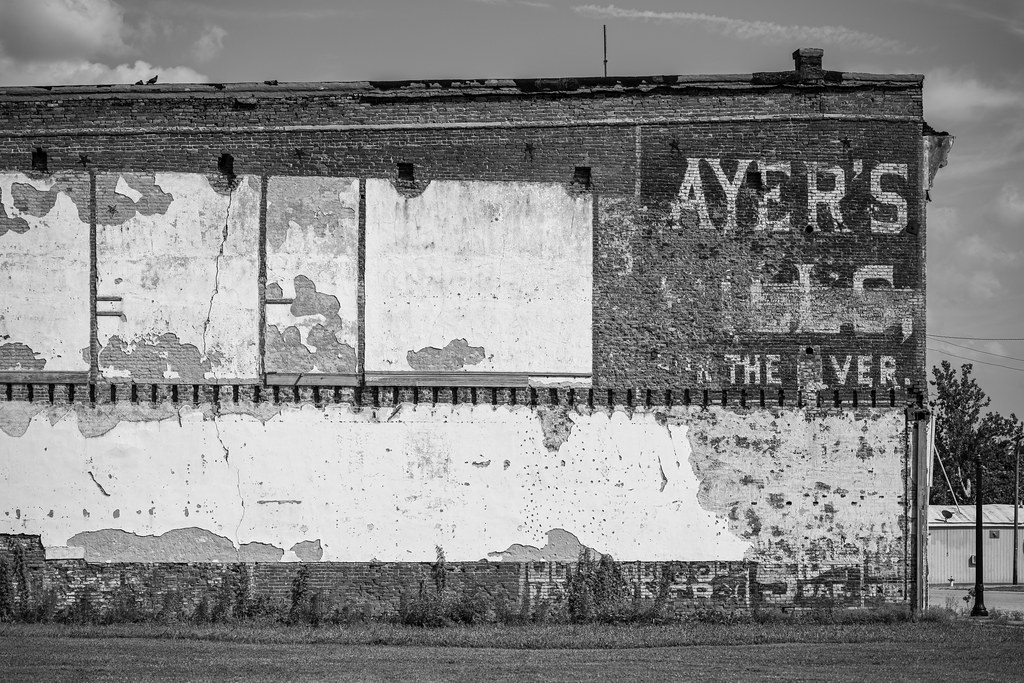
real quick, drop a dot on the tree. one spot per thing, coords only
(962, 432)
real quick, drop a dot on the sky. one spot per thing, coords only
(971, 53)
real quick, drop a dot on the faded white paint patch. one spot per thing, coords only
(44, 269)
(313, 232)
(366, 486)
(804, 306)
(190, 271)
(505, 266)
(127, 190)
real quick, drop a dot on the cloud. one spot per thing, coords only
(983, 285)
(763, 31)
(1009, 205)
(1013, 23)
(984, 251)
(960, 96)
(61, 29)
(204, 8)
(209, 43)
(66, 42)
(84, 72)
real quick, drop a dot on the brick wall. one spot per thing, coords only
(671, 303)
(376, 590)
(709, 305)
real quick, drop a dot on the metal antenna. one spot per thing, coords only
(604, 27)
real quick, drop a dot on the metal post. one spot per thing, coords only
(979, 549)
(604, 29)
(920, 493)
(1016, 504)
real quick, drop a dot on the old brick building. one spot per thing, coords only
(678, 319)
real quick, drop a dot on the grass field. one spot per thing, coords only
(898, 652)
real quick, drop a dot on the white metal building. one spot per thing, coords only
(951, 544)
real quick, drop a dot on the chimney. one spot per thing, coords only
(808, 63)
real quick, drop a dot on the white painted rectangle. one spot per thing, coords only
(479, 277)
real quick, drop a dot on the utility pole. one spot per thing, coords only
(604, 28)
(1016, 503)
(979, 544)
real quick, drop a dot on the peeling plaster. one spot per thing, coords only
(156, 360)
(424, 260)
(44, 290)
(182, 260)
(96, 420)
(123, 196)
(314, 343)
(557, 426)
(178, 545)
(802, 461)
(456, 355)
(28, 199)
(323, 206)
(312, 258)
(18, 356)
(15, 416)
(17, 224)
(561, 546)
(308, 551)
(675, 484)
(22, 196)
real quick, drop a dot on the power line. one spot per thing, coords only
(946, 336)
(969, 348)
(975, 360)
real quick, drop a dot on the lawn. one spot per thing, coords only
(898, 652)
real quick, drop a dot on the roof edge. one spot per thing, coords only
(427, 87)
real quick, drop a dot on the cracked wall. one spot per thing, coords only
(503, 265)
(312, 275)
(44, 272)
(181, 257)
(786, 486)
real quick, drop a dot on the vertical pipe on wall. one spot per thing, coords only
(361, 286)
(920, 469)
(94, 329)
(639, 142)
(261, 284)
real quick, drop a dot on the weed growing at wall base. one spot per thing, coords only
(596, 589)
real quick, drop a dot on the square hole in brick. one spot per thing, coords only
(581, 177)
(39, 161)
(754, 180)
(226, 165)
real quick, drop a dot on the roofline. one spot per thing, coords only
(448, 87)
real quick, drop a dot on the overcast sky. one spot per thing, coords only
(971, 52)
